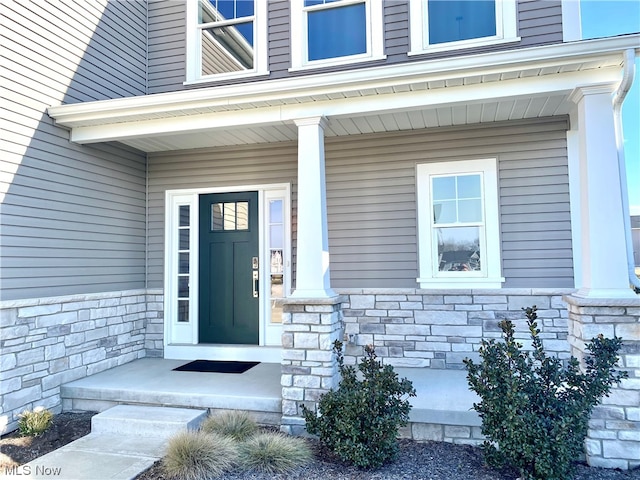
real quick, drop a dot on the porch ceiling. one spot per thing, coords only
(512, 85)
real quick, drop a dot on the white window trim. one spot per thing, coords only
(194, 47)
(506, 29)
(299, 47)
(428, 275)
(180, 334)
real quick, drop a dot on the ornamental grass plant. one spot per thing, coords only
(34, 422)
(271, 453)
(196, 455)
(236, 424)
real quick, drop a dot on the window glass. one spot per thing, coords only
(276, 261)
(457, 199)
(183, 262)
(226, 36)
(337, 32)
(184, 239)
(458, 224)
(458, 249)
(455, 20)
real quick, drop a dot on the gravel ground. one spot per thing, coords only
(417, 460)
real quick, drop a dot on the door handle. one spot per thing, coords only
(255, 284)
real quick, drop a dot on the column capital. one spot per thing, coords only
(579, 93)
(319, 120)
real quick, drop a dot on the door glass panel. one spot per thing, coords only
(184, 239)
(184, 215)
(184, 233)
(216, 216)
(275, 211)
(229, 215)
(183, 286)
(183, 310)
(183, 262)
(242, 210)
(458, 249)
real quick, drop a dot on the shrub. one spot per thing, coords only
(359, 421)
(235, 424)
(272, 453)
(535, 411)
(195, 455)
(34, 422)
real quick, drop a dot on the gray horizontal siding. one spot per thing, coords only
(539, 23)
(167, 45)
(372, 212)
(371, 197)
(73, 217)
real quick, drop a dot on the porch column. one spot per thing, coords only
(602, 246)
(312, 266)
(613, 438)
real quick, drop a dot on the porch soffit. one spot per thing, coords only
(514, 85)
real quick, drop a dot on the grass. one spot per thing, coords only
(235, 424)
(195, 455)
(273, 453)
(34, 422)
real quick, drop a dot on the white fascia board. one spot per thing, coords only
(275, 91)
(516, 88)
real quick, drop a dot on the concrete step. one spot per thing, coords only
(159, 422)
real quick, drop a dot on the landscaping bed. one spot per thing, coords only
(417, 460)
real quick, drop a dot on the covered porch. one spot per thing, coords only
(442, 409)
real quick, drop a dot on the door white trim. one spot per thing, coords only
(181, 338)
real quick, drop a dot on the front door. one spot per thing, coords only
(228, 273)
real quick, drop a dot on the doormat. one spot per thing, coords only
(216, 366)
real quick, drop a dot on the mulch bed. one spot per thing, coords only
(417, 460)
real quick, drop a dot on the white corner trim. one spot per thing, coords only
(571, 21)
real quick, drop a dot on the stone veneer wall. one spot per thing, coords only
(50, 341)
(154, 332)
(613, 440)
(309, 368)
(440, 328)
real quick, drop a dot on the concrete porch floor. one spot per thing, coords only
(442, 397)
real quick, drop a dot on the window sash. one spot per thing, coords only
(469, 257)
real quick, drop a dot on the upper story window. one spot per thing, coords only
(439, 25)
(226, 39)
(335, 32)
(458, 225)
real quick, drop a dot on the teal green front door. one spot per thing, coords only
(228, 278)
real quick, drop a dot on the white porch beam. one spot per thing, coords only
(602, 245)
(312, 265)
(271, 115)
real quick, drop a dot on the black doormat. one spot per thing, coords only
(216, 366)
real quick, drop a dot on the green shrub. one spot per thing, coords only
(235, 424)
(272, 453)
(359, 421)
(195, 455)
(34, 422)
(535, 411)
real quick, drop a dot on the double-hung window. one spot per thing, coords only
(458, 226)
(334, 32)
(438, 25)
(226, 39)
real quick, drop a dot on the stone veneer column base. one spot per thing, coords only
(309, 368)
(613, 440)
